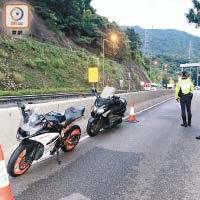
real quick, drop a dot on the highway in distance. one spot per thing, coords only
(155, 159)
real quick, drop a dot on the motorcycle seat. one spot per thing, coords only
(73, 113)
(58, 115)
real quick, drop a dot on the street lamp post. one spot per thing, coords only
(103, 62)
(150, 70)
(155, 62)
(162, 77)
(113, 38)
(129, 81)
(164, 67)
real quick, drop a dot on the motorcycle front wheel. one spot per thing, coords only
(17, 164)
(72, 138)
(93, 128)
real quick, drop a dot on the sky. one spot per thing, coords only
(157, 14)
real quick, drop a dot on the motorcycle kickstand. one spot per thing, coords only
(57, 156)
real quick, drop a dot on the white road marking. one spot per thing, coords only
(150, 107)
(86, 137)
(75, 196)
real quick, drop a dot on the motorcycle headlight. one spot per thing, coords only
(100, 110)
(21, 134)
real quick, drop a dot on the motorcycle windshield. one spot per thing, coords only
(107, 92)
(31, 124)
(105, 97)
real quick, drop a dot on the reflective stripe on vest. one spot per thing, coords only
(185, 86)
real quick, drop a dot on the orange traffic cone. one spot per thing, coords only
(132, 118)
(5, 190)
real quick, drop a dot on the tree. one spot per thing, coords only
(135, 42)
(79, 20)
(194, 14)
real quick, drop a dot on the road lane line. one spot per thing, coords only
(86, 137)
(150, 107)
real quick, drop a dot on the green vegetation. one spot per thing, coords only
(35, 65)
(42, 91)
(173, 67)
(169, 41)
(2, 76)
(3, 54)
(135, 43)
(167, 47)
(194, 14)
(29, 64)
(18, 78)
(77, 19)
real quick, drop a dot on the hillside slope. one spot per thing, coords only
(29, 64)
(170, 41)
(51, 53)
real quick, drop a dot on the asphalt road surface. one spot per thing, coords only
(155, 159)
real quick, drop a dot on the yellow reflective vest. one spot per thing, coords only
(185, 85)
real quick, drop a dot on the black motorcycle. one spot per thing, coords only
(105, 113)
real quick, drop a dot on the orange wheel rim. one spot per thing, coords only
(20, 166)
(69, 140)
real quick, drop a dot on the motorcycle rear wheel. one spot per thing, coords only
(17, 164)
(93, 129)
(70, 143)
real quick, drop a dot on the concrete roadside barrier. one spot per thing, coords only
(10, 117)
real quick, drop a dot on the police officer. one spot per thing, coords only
(184, 89)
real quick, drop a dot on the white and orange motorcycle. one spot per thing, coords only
(44, 134)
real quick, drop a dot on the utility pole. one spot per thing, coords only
(164, 68)
(162, 77)
(190, 51)
(190, 57)
(146, 48)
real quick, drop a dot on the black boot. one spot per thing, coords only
(189, 120)
(184, 121)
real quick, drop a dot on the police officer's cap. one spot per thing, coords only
(184, 73)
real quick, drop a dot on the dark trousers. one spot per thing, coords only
(185, 101)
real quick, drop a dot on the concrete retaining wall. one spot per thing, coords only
(10, 117)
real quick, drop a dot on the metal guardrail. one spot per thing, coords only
(39, 97)
(13, 99)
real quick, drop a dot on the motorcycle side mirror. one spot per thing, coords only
(21, 105)
(94, 90)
